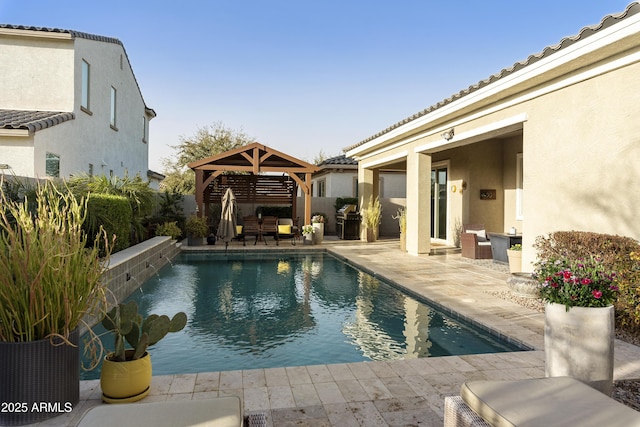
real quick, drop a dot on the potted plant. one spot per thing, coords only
(126, 373)
(197, 229)
(579, 319)
(371, 217)
(515, 258)
(169, 228)
(307, 233)
(49, 281)
(401, 216)
(318, 220)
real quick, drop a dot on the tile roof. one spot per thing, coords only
(606, 22)
(32, 121)
(339, 160)
(74, 34)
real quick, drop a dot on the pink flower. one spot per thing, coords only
(596, 294)
(585, 281)
(566, 275)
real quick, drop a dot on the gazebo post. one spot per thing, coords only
(199, 192)
(307, 199)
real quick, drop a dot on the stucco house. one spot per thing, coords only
(338, 177)
(550, 143)
(69, 103)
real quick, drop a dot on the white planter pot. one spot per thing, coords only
(318, 232)
(515, 261)
(579, 343)
(307, 239)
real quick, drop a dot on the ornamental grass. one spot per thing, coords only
(50, 278)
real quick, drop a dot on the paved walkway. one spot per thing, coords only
(394, 393)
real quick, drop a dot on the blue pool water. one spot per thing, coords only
(266, 310)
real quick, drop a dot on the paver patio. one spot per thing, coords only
(390, 393)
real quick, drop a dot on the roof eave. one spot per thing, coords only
(500, 87)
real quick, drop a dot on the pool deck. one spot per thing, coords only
(393, 393)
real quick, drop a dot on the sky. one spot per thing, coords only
(305, 77)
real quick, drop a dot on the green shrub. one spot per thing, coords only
(197, 226)
(616, 255)
(169, 229)
(113, 213)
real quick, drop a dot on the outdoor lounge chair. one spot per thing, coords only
(474, 242)
(552, 402)
(270, 227)
(288, 230)
(250, 227)
(215, 412)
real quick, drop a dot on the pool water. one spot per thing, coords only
(267, 310)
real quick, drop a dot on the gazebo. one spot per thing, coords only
(269, 176)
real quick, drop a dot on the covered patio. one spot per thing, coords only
(256, 174)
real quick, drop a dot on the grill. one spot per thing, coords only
(348, 223)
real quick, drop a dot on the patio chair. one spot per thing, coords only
(270, 227)
(288, 230)
(250, 227)
(474, 242)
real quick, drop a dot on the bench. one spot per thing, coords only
(556, 401)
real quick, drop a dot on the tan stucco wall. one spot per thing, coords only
(582, 151)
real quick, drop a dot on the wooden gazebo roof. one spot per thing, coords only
(262, 185)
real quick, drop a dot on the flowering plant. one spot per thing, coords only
(576, 283)
(307, 229)
(318, 218)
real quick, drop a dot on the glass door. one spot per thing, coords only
(439, 203)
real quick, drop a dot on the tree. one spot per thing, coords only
(206, 142)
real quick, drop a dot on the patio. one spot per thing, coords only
(409, 392)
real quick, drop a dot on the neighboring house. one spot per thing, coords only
(551, 143)
(70, 103)
(338, 177)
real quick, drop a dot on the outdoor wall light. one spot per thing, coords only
(448, 135)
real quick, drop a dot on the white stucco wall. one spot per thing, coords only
(46, 75)
(37, 74)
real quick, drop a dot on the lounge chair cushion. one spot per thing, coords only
(284, 229)
(217, 412)
(238, 229)
(556, 401)
(482, 235)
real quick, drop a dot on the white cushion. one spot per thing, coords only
(216, 412)
(556, 401)
(482, 234)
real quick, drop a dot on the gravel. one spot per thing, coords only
(624, 391)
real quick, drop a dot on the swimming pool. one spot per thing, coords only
(262, 310)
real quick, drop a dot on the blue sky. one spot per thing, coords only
(303, 76)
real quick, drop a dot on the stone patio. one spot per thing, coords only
(394, 393)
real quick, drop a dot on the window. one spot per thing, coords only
(322, 188)
(85, 85)
(52, 166)
(519, 185)
(113, 108)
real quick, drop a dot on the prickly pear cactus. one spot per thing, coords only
(127, 324)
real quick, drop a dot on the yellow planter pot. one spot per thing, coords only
(124, 382)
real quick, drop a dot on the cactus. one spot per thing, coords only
(127, 325)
